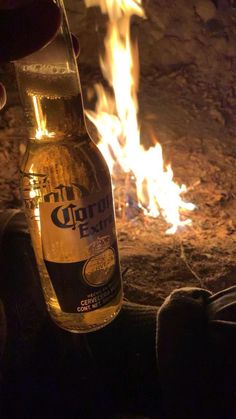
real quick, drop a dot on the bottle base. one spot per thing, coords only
(86, 322)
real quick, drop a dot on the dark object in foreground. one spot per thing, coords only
(49, 372)
(25, 29)
(196, 349)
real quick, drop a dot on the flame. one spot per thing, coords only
(115, 117)
(117, 8)
(41, 120)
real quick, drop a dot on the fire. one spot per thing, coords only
(41, 131)
(115, 117)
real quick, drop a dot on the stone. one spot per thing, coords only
(205, 9)
(217, 116)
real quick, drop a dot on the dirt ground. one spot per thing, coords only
(194, 120)
(187, 98)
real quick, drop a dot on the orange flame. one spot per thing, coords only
(116, 120)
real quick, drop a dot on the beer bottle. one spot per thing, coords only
(67, 193)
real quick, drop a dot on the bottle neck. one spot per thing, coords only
(50, 91)
(52, 103)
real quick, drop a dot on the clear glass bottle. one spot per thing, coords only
(67, 193)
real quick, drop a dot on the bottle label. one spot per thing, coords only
(75, 291)
(80, 251)
(76, 230)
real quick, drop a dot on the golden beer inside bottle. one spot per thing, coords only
(63, 165)
(52, 101)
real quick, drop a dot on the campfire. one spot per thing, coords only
(182, 111)
(142, 184)
(158, 229)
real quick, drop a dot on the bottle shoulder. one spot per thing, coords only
(67, 162)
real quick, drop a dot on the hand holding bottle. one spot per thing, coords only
(26, 29)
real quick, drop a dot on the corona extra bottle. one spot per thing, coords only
(67, 194)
